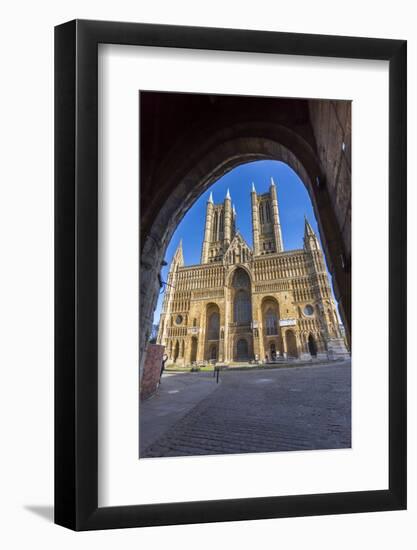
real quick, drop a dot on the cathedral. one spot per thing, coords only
(243, 304)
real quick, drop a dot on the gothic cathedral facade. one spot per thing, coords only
(244, 304)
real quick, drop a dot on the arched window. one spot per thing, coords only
(221, 222)
(268, 212)
(241, 279)
(194, 322)
(215, 225)
(261, 213)
(242, 309)
(271, 322)
(213, 326)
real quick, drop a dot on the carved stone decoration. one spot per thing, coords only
(240, 304)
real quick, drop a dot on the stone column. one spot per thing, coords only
(284, 343)
(261, 341)
(226, 357)
(221, 354)
(298, 345)
(187, 349)
(257, 329)
(202, 336)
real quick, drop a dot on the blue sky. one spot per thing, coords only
(293, 202)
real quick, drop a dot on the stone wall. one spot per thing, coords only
(332, 125)
(331, 122)
(151, 370)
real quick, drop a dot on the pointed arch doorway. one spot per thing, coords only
(176, 351)
(194, 344)
(241, 309)
(242, 350)
(212, 332)
(291, 343)
(312, 346)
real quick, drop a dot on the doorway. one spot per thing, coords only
(312, 346)
(291, 344)
(242, 350)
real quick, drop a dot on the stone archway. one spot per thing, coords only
(291, 344)
(242, 350)
(213, 352)
(240, 288)
(271, 331)
(240, 323)
(194, 346)
(176, 351)
(212, 331)
(312, 346)
(193, 141)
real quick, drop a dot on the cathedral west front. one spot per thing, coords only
(243, 303)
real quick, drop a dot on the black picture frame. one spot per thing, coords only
(76, 272)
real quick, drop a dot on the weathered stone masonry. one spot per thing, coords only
(241, 304)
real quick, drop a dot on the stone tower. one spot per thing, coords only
(220, 228)
(326, 309)
(266, 225)
(177, 262)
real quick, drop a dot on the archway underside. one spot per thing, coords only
(208, 169)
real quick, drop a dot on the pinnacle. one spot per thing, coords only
(179, 247)
(210, 199)
(253, 188)
(228, 194)
(307, 227)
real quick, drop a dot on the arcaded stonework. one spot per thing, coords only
(189, 141)
(242, 304)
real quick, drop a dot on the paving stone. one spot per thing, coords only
(243, 415)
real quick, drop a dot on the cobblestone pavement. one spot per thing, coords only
(177, 395)
(285, 409)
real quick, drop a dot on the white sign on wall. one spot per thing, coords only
(287, 322)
